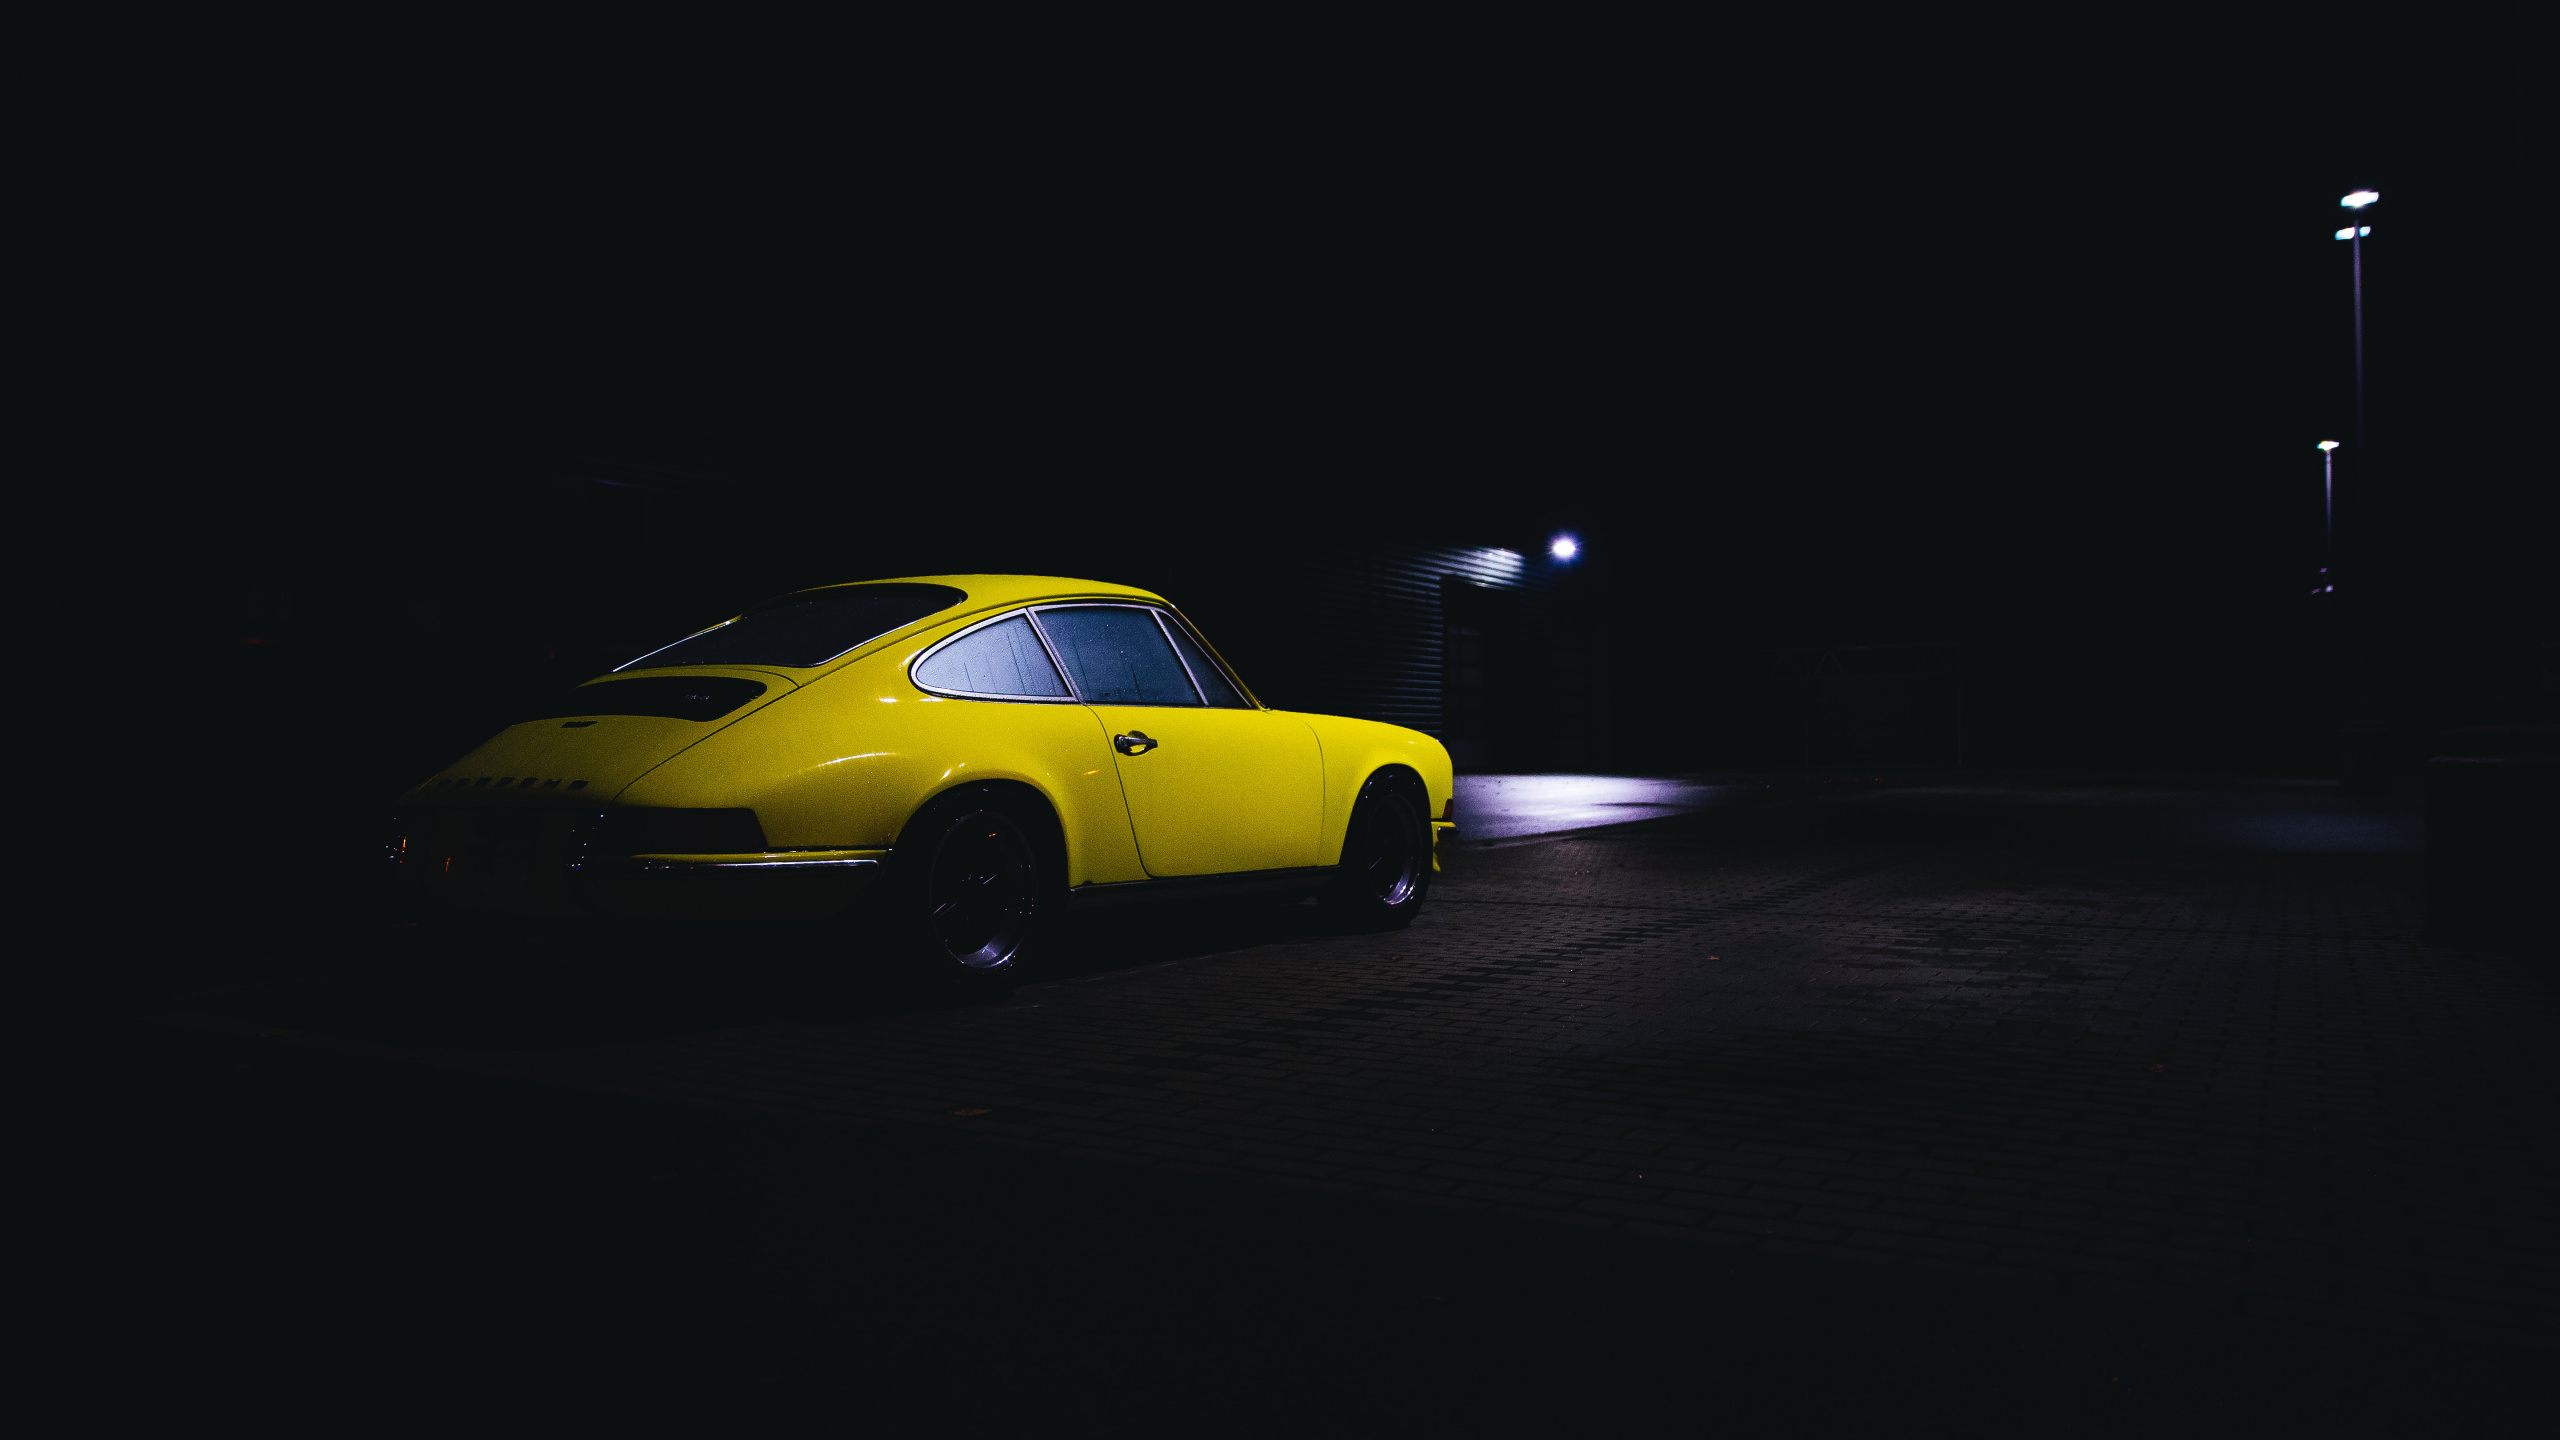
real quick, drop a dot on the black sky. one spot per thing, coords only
(1928, 326)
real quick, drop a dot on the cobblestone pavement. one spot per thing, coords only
(2227, 1079)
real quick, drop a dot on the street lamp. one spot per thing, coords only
(2357, 200)
(2328, 512)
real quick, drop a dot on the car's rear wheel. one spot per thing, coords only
(1386, 856)
(973, 882)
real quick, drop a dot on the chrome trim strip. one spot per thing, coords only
(771, 864)
(1034, 612)
(787, 597)
(1166, 626)
(630, 862)
(1166, 617)
(1170, 617)
(1049, 648)
(957, 636)
(1197, 887)
(670, 645)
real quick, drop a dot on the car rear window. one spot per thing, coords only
(806, 629)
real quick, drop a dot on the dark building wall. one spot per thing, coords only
(1481, 646)
(1841, 705)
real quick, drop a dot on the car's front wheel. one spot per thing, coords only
(1386, 856)
(971, 886)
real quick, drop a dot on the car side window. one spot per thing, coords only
(1212, 681)
(1117, 656)
(1003, 660)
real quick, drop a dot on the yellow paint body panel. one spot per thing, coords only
(1221, 791)
(582, 766)
(1354, 750)
(836, 758)
(844, 764)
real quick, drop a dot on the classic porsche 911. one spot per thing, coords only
(954, 759)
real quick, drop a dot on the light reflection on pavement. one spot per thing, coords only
(1504, 807)
(2263, 816)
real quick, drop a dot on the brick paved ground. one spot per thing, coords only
(2222, 1080)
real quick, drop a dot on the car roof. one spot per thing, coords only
(986, 591)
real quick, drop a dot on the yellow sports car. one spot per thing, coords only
(961, 756)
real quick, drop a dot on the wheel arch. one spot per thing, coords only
(1399, 773)
(1357, 750)
(1049, 829)
(1394, 772)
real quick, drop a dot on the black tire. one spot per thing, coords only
(974, 884)
(1386, 856)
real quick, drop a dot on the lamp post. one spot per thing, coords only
(2328, 518)
(2356, 201)
(2364, 703)
(2354, 235)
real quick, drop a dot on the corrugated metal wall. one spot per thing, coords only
(1472, 644)
(1386, 636)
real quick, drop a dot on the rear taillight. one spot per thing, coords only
(411, 830)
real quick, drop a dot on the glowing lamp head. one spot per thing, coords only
(2328, 444)
(1564, 547)
(2357, 200)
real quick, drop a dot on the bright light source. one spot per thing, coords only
(2328, 444)
(1564, 547)
(2347, 234)
(2364, 229)
(2359, 199)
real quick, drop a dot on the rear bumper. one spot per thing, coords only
(540, 862)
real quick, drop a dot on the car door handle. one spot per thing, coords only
(1133, 743)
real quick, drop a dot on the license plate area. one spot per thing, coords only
(496, 858)
(499, 856)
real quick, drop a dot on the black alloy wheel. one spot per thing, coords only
(972, 886)
(981, 890)
(1386, 856)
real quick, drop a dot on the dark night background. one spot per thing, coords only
(442, 357)
(407, 364)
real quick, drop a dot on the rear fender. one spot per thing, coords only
(845, 762)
